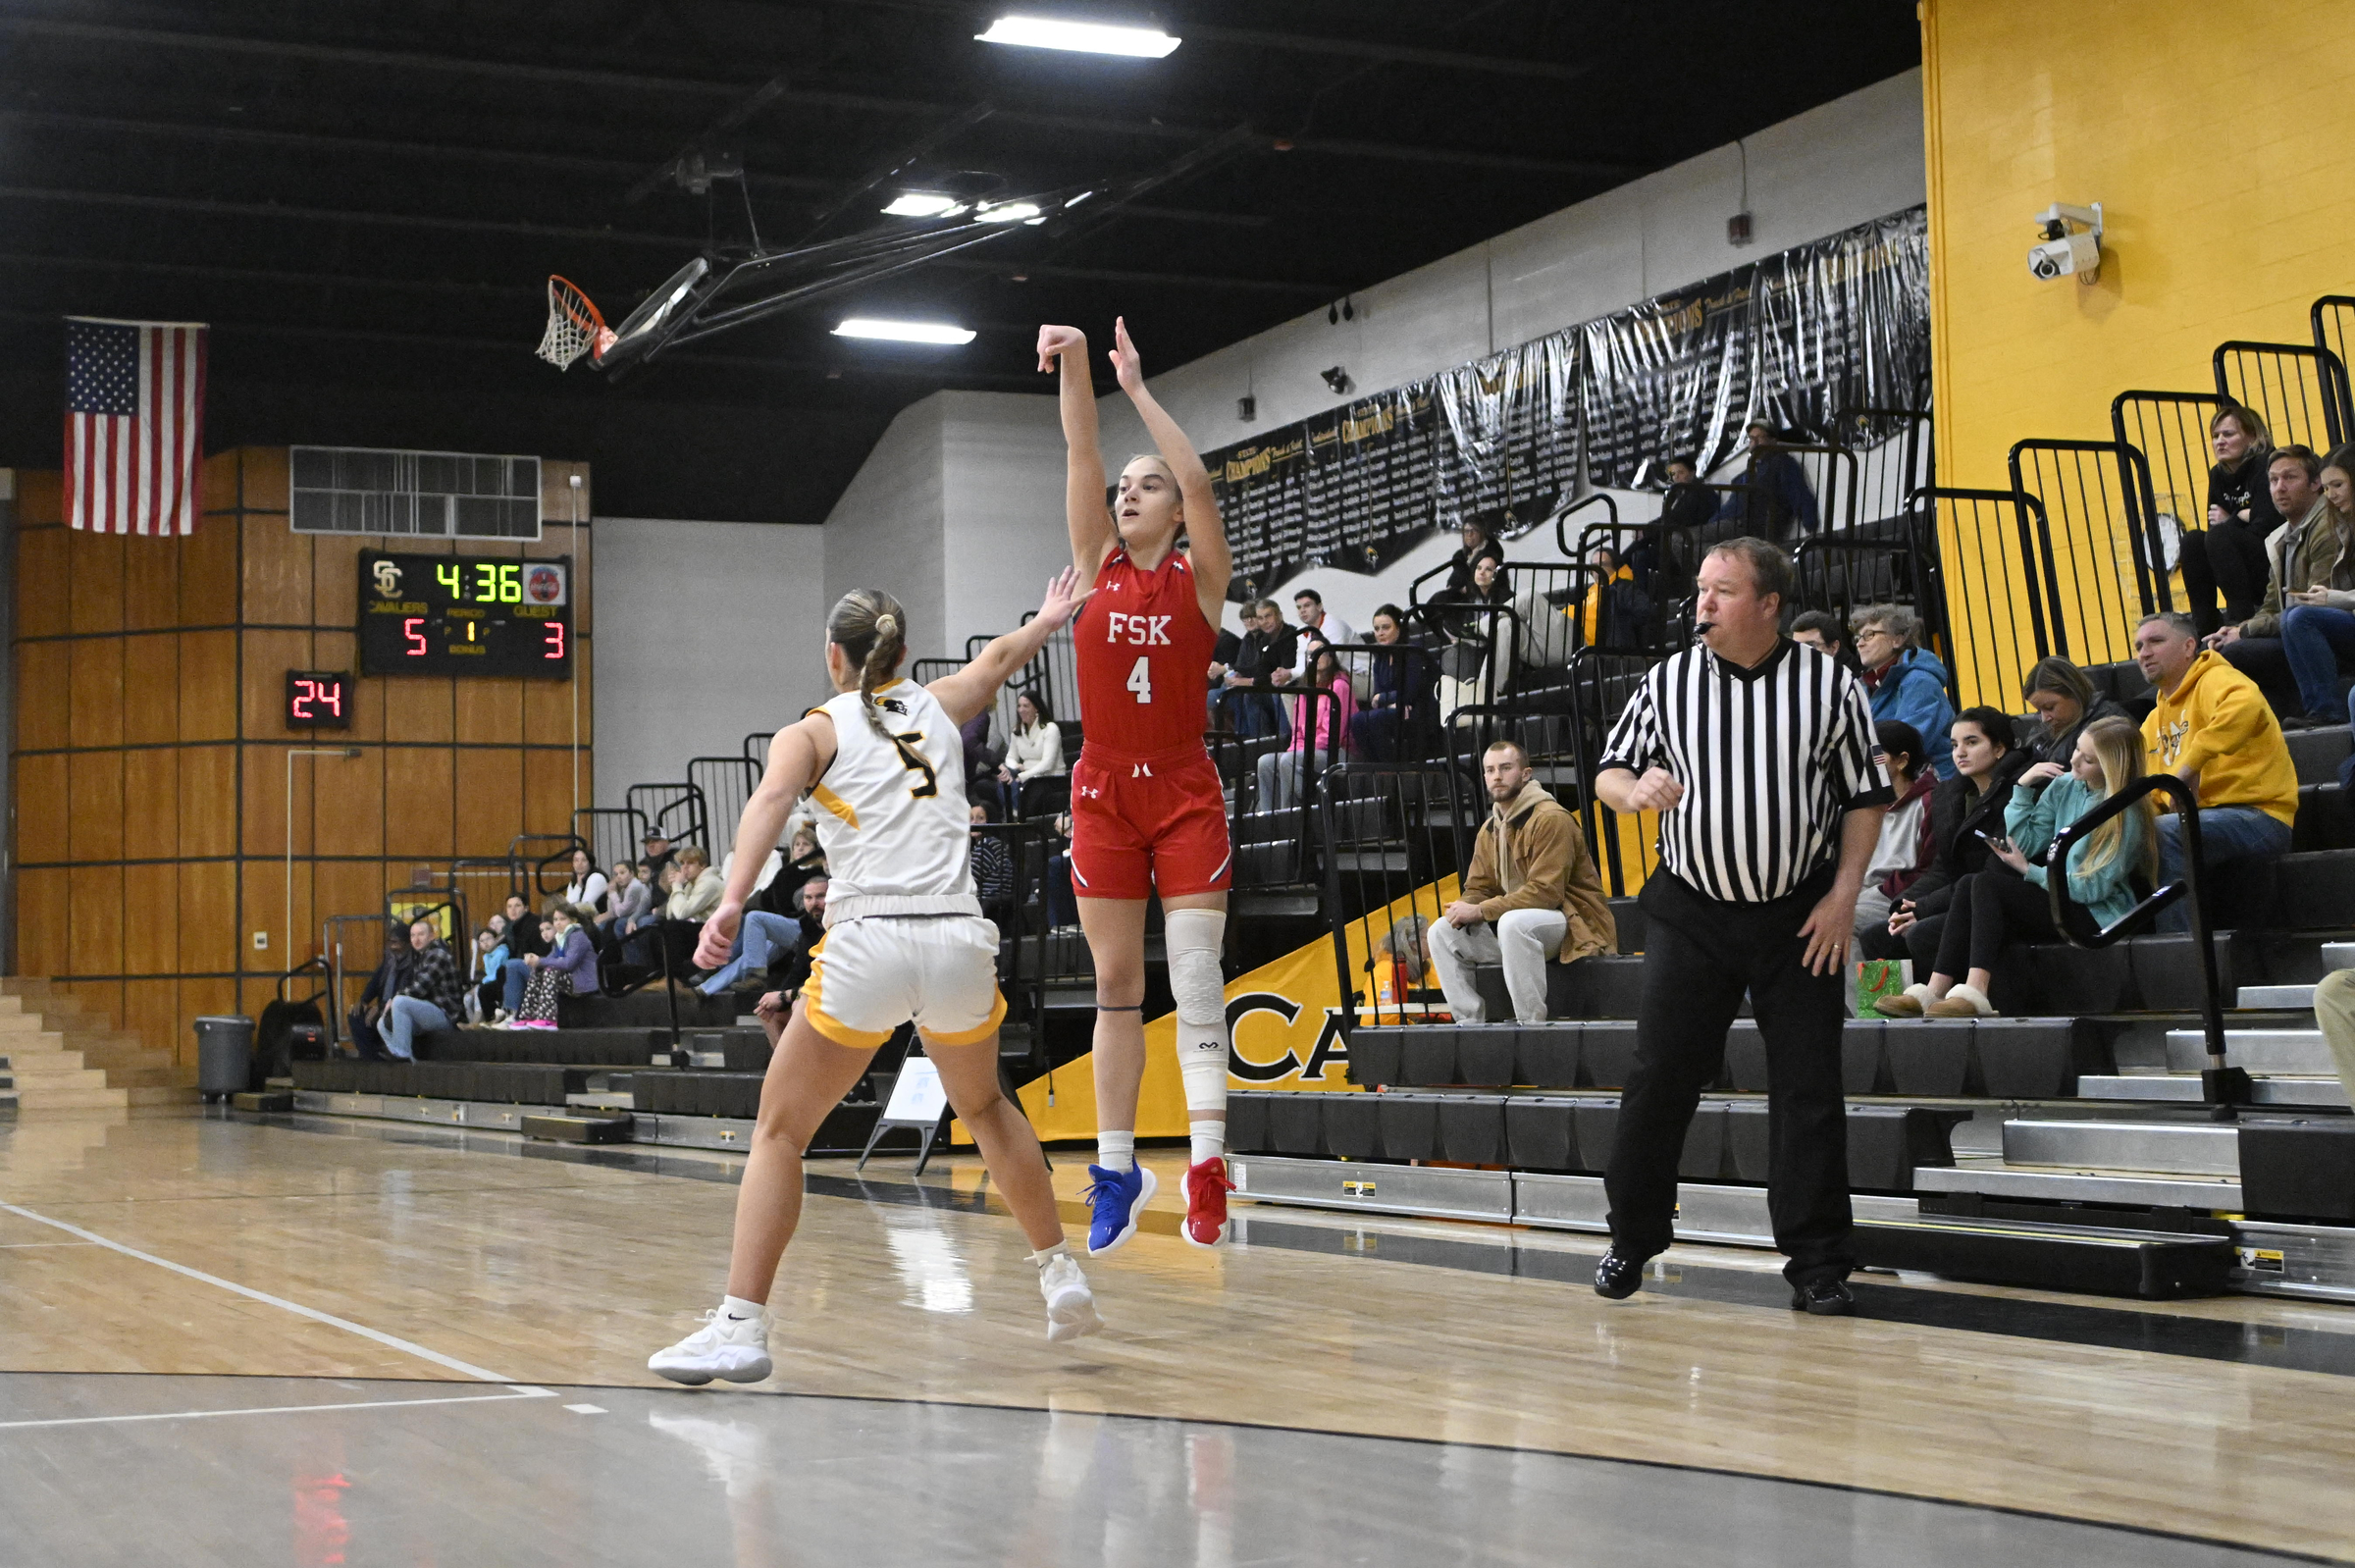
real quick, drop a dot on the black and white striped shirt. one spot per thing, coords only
(1770, 758)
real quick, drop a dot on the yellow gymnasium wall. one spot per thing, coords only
(2222, 146)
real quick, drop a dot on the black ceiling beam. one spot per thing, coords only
(631, 83)
(1109, 274)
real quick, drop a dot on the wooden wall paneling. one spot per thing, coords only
(265, 884)
(344, 797)
(263, 484)
(336, 579)
(419, 815)
(95, 569)
(345, 887)
(490, 799)
(102, 999)
(419, 707)
(490, 712)
(198, 999)
(277, 572)
(94, 827)
(547, 790)
(40, 498)
(95, 679)
(151, 919)
(44, 696)
(151, 584)
(208, 800)
(548, 713)
(95, 921)
(208, 572)
(44, 919)
(265, 801)
(41, 802)
(152, 801)
(152, 1008)
(268, 657)
(44, 580)
(208, 916)
(151, 689)
(218, 483)
(208, 686)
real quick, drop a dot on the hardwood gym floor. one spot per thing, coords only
(377, 1255)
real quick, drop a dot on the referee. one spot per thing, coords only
(1758, 754)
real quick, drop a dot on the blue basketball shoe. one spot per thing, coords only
(1114, 1199)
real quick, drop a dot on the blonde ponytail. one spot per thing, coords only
(870, 627)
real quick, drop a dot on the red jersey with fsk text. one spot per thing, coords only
(1143, 654)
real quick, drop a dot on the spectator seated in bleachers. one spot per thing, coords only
(490, 956)
(2240, 519)
(1248, 701)
(2009, 903)
(1316, 625)
(694, 888)
(1532, 893)
(1063, 907)
(2314, 550)
(1665, 556)
(1904, 849)
(430, 997)
(1478, 545)
(588, 887)
(658, 858)
(2318, 627)
(525, 937)
(1826, 633)
(788, 970)
(2066, 702)
(569, 968)
(1614, 612)
(1034, 779)
(627, 899)
(993, 866)
(383, 986)
(763, 937)
(803, 860)
(1908, 682)
(1474, 640)
(984, 749)
(1772, 497)
(2212, 729)
(1961, 807)
(1283, 776)
(1398, 691)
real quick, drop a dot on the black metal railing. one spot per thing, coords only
(756, 746)
(676, 811)
(1896, 455)
(2333, 320)
(611, 832)
(726, 783)
(2096, 538)
(1391, 835)
(2301, 389)
(2170, 430)
(2222, 1085)
(1993, 569)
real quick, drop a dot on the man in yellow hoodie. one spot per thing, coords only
(2213, 729)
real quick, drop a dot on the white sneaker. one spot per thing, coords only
(1070, 1305)
(734, 1348)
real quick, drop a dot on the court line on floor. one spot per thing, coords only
(517, 1392)
(404, 1346)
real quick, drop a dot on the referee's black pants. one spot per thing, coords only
(1700, 955)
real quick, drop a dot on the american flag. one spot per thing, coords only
(135, 425)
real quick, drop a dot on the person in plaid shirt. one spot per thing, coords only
(433, 997)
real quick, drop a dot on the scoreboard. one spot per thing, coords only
(465, 616)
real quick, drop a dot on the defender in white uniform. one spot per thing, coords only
(884, 764)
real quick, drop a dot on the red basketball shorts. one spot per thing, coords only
(1147, 825)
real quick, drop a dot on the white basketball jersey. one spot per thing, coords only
(891, 814)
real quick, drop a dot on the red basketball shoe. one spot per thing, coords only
(1204, 1188)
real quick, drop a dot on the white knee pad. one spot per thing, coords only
(1193, 938)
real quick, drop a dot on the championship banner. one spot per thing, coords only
(1284, 1026)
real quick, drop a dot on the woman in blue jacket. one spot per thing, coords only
(1906, 682)
(1994, 907)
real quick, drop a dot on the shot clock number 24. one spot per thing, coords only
(465, 616)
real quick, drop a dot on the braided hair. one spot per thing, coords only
(871, 630)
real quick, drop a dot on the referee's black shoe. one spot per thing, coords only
(1618, 1276)
(1825, 1298)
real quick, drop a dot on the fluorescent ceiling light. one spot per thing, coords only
(1086, 37)
(924, 204)
(1009, 212)
(906, 331)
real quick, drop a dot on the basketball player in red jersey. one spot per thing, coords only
(1146, 813)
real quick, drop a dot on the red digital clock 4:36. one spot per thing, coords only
(465, 615)
(318, 700)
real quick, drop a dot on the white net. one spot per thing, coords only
(574, 326)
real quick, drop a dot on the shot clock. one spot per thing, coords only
(318, 700)
(465, 616)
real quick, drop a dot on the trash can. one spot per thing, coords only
(224, 1056)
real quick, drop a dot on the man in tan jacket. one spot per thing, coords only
(1532, 893)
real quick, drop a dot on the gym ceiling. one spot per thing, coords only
(366, 199)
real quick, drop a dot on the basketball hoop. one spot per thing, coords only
(574, 325)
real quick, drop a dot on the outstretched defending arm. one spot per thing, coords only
(797, 757)
(1205, 530)
(1089, 519)
(974, 687)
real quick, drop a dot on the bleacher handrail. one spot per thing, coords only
(2331, 390)
(2319, 316)
(2146, 547)
(756, 746)
(1562, 522)
(2222, 1085)
(2028, 514)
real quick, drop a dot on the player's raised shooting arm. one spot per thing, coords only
(974, 687)
(1085, 509)
(1205, 531)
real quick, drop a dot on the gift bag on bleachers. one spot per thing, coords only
(1875, 979)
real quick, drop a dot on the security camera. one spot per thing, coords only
(2072, 243)
(1337, 378)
